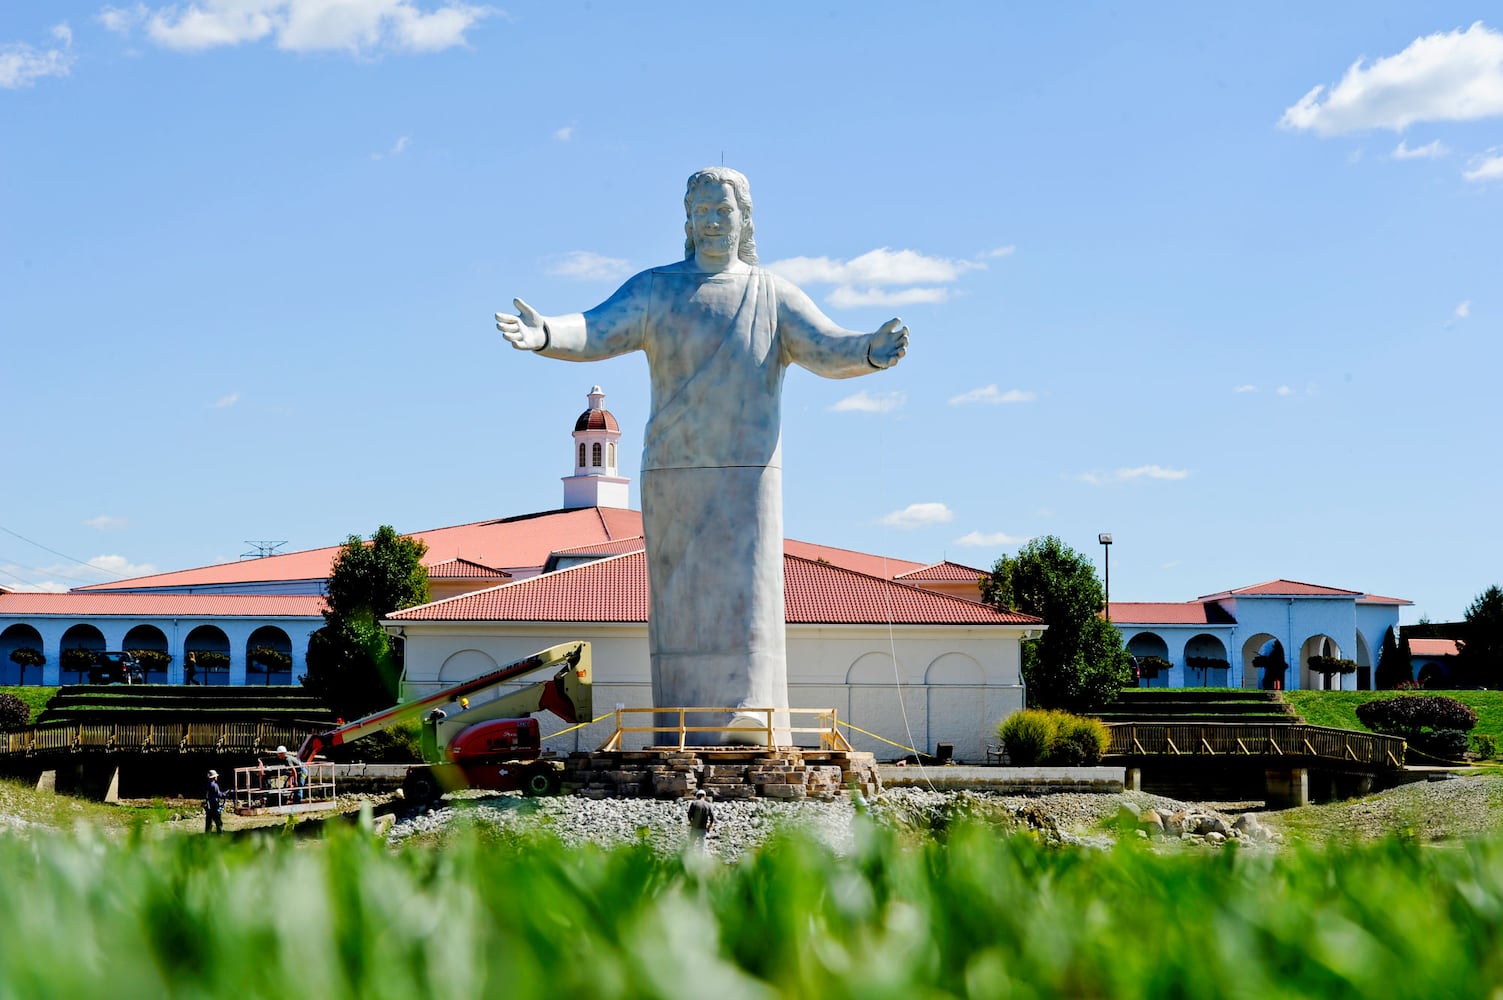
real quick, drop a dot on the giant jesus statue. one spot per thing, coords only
(719, 331)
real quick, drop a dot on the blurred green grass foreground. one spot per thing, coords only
(974, 913)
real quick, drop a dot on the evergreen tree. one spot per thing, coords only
(1079, 664)
(352, 663)
(1481, 659)
(1394, 664)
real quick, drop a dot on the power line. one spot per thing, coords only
(61, 555)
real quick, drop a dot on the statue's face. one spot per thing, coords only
(716, 219)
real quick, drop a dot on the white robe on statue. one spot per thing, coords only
(712, 509)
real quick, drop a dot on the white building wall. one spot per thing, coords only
(951, 684)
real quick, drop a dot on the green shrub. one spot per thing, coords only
(1409, 715)
(1485, 746)
(14, 713)
(1027, 735)
(1088, 736)
(1152, 666)
(1447, 744)
(1052, 737)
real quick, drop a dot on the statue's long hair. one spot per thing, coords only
(747, 250)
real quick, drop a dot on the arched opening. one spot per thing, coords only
(595, 454)
(1151, 653)
(1318, 646)
(1264, 663)
(268, 657)
(581, 455)
(149, 644)
(612, 463)
(208, 648)
(77, 650)
(19, 636)
(1205, 659)
(1364, 660)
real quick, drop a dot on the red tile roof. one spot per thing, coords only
(1284, 588)
(463, 569)
(1375, 599)
(94, 605)
(615, 590)
(952, 572)
(614, 547)
(523, 541)
(1169, 613)
(597, 420)
(1434, 647)
(862, 562)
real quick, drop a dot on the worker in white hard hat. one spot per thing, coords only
(213, 805)
(297, 774)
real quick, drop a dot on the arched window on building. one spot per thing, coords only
(612, 463)
(581, 454)
(595, 454)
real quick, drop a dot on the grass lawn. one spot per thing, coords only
(1338, 709)
(36, 697)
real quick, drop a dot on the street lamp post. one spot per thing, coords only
(1106, 549)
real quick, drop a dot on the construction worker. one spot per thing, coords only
(701, 818)
(213, 805)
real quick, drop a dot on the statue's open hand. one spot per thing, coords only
(525, 330)
(889, 343)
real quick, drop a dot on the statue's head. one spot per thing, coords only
(747, 248)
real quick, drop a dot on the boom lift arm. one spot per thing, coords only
(566, 694)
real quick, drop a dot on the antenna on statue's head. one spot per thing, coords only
(722, 157)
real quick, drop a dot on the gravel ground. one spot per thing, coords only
(1440, 810)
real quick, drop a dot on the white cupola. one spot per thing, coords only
(595, 482)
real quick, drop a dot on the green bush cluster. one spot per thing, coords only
(14, 713)
(977, 915)
(1051, 737)
(1432, 724)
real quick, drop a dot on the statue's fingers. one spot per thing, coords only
(528, 314)
(890, 326)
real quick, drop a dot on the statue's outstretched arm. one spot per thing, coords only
(527, 331)
(814, 341)
(611, 328)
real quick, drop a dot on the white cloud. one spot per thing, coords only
(587, 265)
(1464, 310)
(916, 515)
(1127, 475)
(119, 567)
(992, 395)
(1006, 251)
(1284, 390)
(1489, 168)
(120, 20)
(21, 65)
(1447, 76)
(871, 402)
(881, 277)
(105, 522)
(225, 402)
(305, 25)
(400, 146)
(1244, 388)
(1429, 151)
(979, 539)
(847, 298)
(564, 134)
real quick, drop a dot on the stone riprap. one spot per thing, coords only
(787, 774)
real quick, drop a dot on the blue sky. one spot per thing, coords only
(1224, 284)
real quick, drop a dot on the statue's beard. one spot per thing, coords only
(717, 243)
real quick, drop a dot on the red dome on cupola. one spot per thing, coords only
(597, 417)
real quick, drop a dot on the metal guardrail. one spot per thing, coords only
(180, 737)
(826, 726)
(1134, 739)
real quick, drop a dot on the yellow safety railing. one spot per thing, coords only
(1134, 739)
(826, 726)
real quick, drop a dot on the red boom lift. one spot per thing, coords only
(495, 744)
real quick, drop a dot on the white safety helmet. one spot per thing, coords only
(213, 774)
(281, 750)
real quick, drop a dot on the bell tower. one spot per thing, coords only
(595, 482)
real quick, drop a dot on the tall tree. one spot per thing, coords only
(1394, 663)
(1079, 664)
(1481, 659)
(352, 663)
